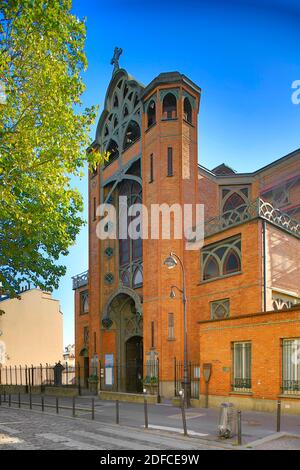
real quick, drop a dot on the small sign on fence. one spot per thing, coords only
(109, 367)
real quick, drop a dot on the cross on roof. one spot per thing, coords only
(115, 59)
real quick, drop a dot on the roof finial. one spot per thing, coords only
(115, 60)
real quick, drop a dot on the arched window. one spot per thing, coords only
(125, 91)
(132, 134)
(136, 101)
(232, 263)
(125, 279)
(84, 302)
(211, 269)
(234, 201)
(116, 101)
(130, 250)
(187, 110)
(125, 111)
(112, 151)
(222, 258)
(169, 106)
(137, 247)
(106, 131)
(137, 278)
(151, 113)
(116, 122)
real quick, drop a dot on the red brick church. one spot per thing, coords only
(242, 287)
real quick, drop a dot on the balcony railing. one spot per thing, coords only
(80, 280)
(291, 387)
(247, 212)
(241, 384)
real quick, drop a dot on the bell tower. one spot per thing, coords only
(170, 178)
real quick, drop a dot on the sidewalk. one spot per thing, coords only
(166, 419)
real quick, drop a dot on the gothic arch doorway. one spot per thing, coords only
(123, 316)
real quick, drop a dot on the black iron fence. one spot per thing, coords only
(291, 366)
(132, 377)
(59, 375)
(193, 377)
(241, 384)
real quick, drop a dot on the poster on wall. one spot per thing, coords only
(109, 367)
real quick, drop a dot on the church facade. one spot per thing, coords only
(242, 284)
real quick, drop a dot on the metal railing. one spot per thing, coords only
(251, 211)
(80, 280)
(132, 377)
(193, 375)
(291, 386)
(59, 375)
(241, 384)
(291, 366)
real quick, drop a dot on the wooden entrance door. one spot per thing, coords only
(134, 365)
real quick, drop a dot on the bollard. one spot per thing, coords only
(43, 403)
(30, 401)
(181, 393)
(93, 408)
(145, 408)
(278, 416)
(206, 395)
(19, 400)
(239, 427)
(4, 397)
(9, 400)
(117, 412)
(73, 407)
(0, 399)
(57, 407)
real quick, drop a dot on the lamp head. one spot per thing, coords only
(172, 293)
(170, 262)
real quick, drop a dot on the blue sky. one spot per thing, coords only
(245, 55)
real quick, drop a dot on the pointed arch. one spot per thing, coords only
(151, 114)
(187, 110)
(137, 278)
(211, 268)
(113, 150)
(127, 292)
(232, 262)
(233, 201)
(132, 134)
(125, 111)
(169, 106)
(116, 101)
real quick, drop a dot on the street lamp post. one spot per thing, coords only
(171, 262)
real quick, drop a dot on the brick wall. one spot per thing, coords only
(265, 332)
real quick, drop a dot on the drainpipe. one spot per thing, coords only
(265, 263)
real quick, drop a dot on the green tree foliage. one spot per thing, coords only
(43, 137)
